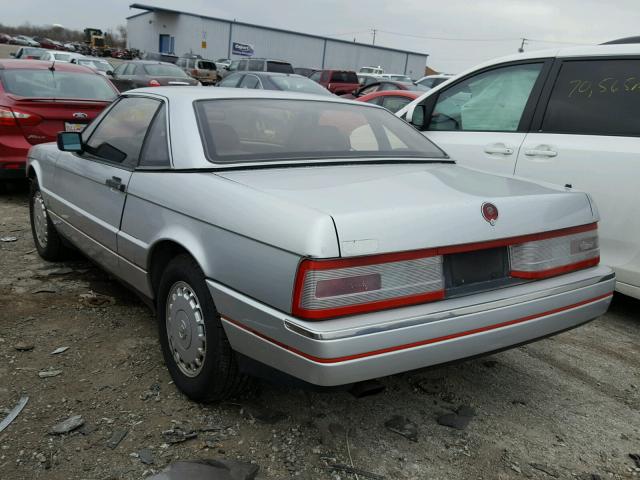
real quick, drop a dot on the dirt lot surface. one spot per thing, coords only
(565, 407)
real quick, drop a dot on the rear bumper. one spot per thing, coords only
(13, 173)
(361, 347)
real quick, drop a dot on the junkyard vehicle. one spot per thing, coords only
(381, 86)
(392, 100)
(58, 56)
(203, 70)
(149, 73)
(568, 116)
(323, 238)
(100, 65)
(36, 103)
(336, 81)
(273, 81)
(263, 65)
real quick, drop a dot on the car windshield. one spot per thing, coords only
(279, 67)
(344, 77)
(299, 84)
(97, 64)
(161, 70)
(56, 84)
(262, 130)
(63, 57)
(206, 65)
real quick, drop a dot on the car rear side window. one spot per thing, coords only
(250, 81)
(279, 67)
(491, 101)
(344, 77)
(595, 97)
(155, 152)
(119, 136)
(57, 84)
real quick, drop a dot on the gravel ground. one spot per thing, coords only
(565, 407)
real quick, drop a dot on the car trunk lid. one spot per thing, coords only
(391, 208)
(46, 117)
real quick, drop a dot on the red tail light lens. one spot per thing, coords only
(6, 118)
(154, 83)
(331, 288)
(11, 118)
(566, 251)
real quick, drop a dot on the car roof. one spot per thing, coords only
(191, 94)
(150, 62)
(42, 65)
(567, 52)
(270, 74)
(402, 93)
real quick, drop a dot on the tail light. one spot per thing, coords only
(12, 118)
(330, 288)
(560, 252)
(154, 83)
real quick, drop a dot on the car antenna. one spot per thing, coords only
(53, 65)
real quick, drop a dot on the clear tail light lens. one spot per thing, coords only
(565, 251)
(154, 83)
(6, 118)
(12, 118)
(331, 288)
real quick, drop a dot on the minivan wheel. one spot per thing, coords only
(45, 236)
(195, 348)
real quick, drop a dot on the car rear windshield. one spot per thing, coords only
(101, 65)
(204, 65)
(344, 77)
(279, 67)
(298, 84)
(56, 84)
(262, 130)
(159, 70)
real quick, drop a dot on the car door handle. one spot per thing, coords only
(115, 182)
(537, 152)
(498, 150)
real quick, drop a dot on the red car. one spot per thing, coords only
(392, 100)
(37, 102)
(336, 81)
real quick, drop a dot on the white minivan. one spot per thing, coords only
(568, 116)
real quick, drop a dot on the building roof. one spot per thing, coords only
(151, 8)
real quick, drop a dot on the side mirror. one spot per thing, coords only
(416, 118)
(110, 73)
(70, 142)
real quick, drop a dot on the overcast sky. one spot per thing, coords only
(483, 28)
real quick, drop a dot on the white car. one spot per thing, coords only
(99, 65)
(567, 116)
(58, 56)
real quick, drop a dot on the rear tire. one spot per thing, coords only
(45, 236)
(195, 348)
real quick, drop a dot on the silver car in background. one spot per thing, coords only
(323, 238)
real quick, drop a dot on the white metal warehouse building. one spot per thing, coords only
(170, 31)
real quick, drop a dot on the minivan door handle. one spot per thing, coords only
(115, 182)
(498, 149)
(540, 151)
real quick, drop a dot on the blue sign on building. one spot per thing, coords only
(243, 49)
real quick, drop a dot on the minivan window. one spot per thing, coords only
(492, 101)
(595, 97)
(279, 67)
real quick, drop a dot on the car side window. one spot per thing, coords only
(250, 81)
(324, 77)
(595, 97)
(120, 69)
(230, 81)
(130, 70)
(242, 65)
(255, 65)
(492, 101)
(119, 136)
(395, 102)
(155, 151)
(316, 76)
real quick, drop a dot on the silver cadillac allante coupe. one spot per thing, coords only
(310, 236)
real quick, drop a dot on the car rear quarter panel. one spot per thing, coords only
(242, 238)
